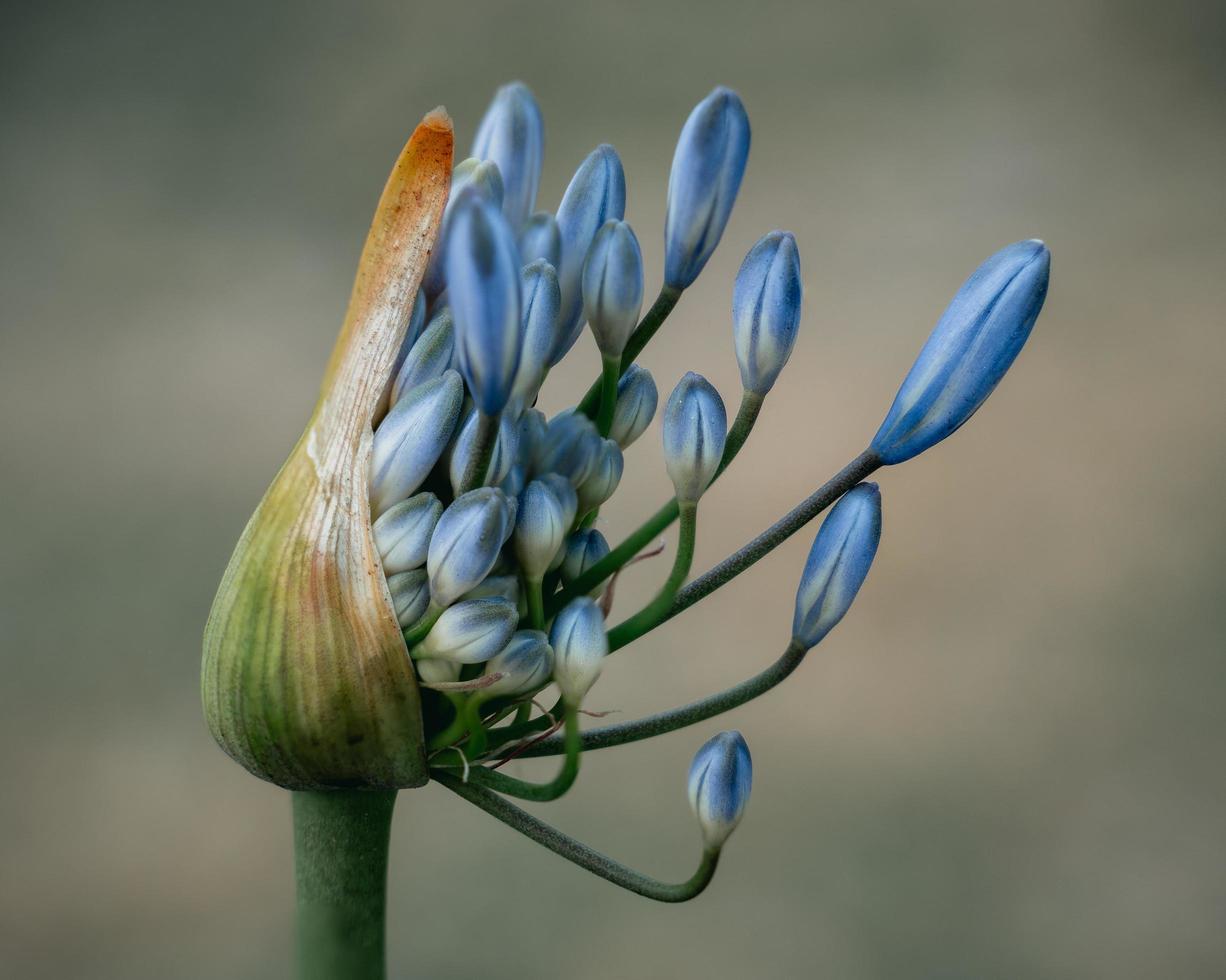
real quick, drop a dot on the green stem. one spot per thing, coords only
(746, 416)
(340, 864)
(580, 854)
(610, 372)
(536, 603)
(677, 718)
(482, 453)
(421, 629)
(656, 611)
(537, 792)
(643, 333)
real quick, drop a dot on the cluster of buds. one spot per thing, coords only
(429, 563)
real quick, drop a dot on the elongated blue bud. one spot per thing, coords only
(429, 357)
(512, 135)
(636, 405)
(570, 447)
(721, 777)
(542, 300)
(497, 587)
(612, 285)
(541, 239)
(525, 664)
(838, 563)
(539, 529)
(482, 266)
(417, 320)
(410, 593)
(466, 542)
(514, 482)
(766, 310)
(702, 185)
(604, 478)
(531, 434)
(505, 450)
(695, 428)
(470, 632)
(402, 532)
(579, 648)
(968, 352)
(411, 438)
(583, 549)
(564, 490)
(484, 179)
(597, 193)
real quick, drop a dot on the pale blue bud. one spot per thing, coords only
(470, 632)
(402, 532)
(497, 587)
(417, 320)
(482, 266)
(431, 671)
(721, 777)
(539, 529)
(695, 428)
(466, 542)
(429, 357)
(541, 299)
(612, 285)
(602, 483)
(514, 482)
(968, 352)
(525, 664)
(570, 447)
(506, 448)
(410, 592)
(531, 434)
(597, 193)
(838, 563)
(636, 405)
(766, 310)
(541, 239)
(411, 438)
(706, 174)
(579, 648)
(564, 490)
(583, 549)
(512, 135)
(484, 179)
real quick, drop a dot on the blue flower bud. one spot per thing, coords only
(525, 664)
(482, 266)
(636, 405)
(968, 352)
(514, 482)
(695, 428)
(570, 447)
(604, 478)
(411, 438)
(531, 434)
(564, 490)
(539, 529)
(579, 648)
(541, 239)
(484, 179)
(429, 357)
(612, 286)
(470, 632)
(706, 174)
(432, 671)
(597, 193)
(838, 563)
(505, 450)
(402, 532)
(497, 587)
(417, 320)
(466, 543)
(583, 549)
(541, 299)
(512, 135)
(721, 777)
(766, 310)
(410, 593)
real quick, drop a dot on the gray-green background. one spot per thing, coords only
(1007, 762)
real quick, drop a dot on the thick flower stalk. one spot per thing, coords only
(426, 592)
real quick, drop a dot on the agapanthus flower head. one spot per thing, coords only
(721, 777)
(512, 136)
(970, 349)
(695, 429)
(612, 285)
(766, 310)
(838, 563)
(483, 286)
(707, 169)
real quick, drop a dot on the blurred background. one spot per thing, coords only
(1008, 760)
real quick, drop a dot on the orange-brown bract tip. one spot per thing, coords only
(437, 118)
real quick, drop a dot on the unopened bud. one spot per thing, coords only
(721, 777)
(695, 429)
(470, 632)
